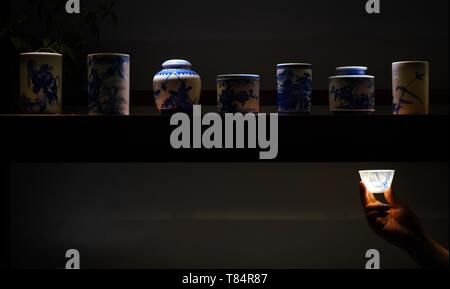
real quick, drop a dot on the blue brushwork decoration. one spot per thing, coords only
(238, 93)
(294, 88)
(176, 88)
(108, 84)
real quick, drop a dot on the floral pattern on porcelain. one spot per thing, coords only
(44, 86)
(108, 84)
(238, 94)
(40, 83)
(352, 94)
(410, 87)
(351, 90)
(377, 181)
(404, 92)
(294, 88)
(177, 87)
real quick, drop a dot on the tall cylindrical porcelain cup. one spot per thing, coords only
(410, 87)
(40, 83)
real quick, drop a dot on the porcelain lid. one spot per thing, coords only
(176, 63)
(294, 65)
(411, 62)
(351, 70)
(352, 76)
(108, 54)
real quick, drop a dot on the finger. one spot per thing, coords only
(377, 207)
(389, 196)
(365, 200)
(376, 214)
(377, 223)
(367, 197)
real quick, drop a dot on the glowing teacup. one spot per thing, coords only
(377, 181)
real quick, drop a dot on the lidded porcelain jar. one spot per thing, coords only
(351, 90)
(40, 83)
(177, 87)
(238, 93)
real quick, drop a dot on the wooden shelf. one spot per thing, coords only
(305, 138)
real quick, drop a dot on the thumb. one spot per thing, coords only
(367, 197)
(390, 196)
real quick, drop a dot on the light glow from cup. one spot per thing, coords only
(377, 181)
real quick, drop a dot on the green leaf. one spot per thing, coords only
(71, 54)
(46, 42)
(20, 44)
(84, 13)
(47, 49)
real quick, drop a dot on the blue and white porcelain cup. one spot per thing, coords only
(40, 83)
(238, 93)
(377, 181)
(109, 84)
(410, 87)
(177, 87)
(294, 88)
(351, 90)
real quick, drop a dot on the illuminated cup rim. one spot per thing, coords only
(108, 54)
(238, 76)
(376, 171)
(369, 184)
(41, 53)
(352, 67)
(411, 62)
(294, 65)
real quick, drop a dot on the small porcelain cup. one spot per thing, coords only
(377, 181)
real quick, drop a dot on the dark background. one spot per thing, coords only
(252, 36)
(211, 215)
(206, 215)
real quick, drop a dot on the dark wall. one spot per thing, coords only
(206, 215)
(252, 36)
(235, 215)
(8, 75)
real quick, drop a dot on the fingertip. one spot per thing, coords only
(362, 187)
(364, 198)
(378, 207)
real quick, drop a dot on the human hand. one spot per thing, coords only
(396, 223)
